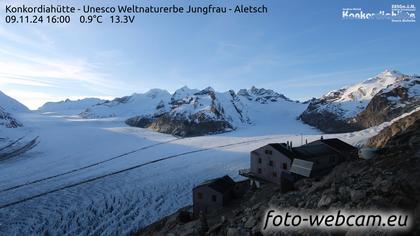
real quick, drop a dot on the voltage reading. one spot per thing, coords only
(122, 19)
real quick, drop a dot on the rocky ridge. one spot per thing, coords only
(192, 112)
(370, 103)
(69, 106)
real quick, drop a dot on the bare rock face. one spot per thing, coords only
(388, 105)
(327, 121)
(195, 126)
(387, 136)
(180, 126)
(140, 121)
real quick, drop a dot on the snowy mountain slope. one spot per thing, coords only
(209, 104)
(8, 108)
(354, 99)
(183, 92)
(398, 98)
(192, 112)
(11, 105)
(13, 142)
(350, 109)
(70, 106)
(130, 105)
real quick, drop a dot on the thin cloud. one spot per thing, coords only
(49, 70)
(18, 67)
(7, 79)
(13, 37)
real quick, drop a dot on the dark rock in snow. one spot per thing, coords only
(140, 121)
(187, 128)
(7, 120)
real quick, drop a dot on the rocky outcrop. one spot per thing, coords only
(193, 126)
(388, 181)
(196, 125)
(370, 103)
(194, 113)
(140, 121)
(7, 120)
(390, 103)
(327, 121)
(404, 127)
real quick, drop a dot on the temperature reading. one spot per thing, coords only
(91, 19)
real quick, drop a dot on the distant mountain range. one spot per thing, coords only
(70, 107)
(190, 112)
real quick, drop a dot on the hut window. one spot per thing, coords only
(284, 166)
(200, 195)
(268, 152)
(213, 198)
(259, 171)
(274, 174)
(259, 160)
(271, 163)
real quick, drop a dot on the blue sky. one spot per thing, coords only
(300, 48)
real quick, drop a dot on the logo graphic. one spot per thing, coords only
(398, 13)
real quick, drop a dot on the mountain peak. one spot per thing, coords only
(262, 95)
(365, 104)
(390, 73)
(210, 89)
(364, 91)
(185, 87)
(155, 92)
(182, 93)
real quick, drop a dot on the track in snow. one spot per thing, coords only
(88, 166)
(125, 170)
